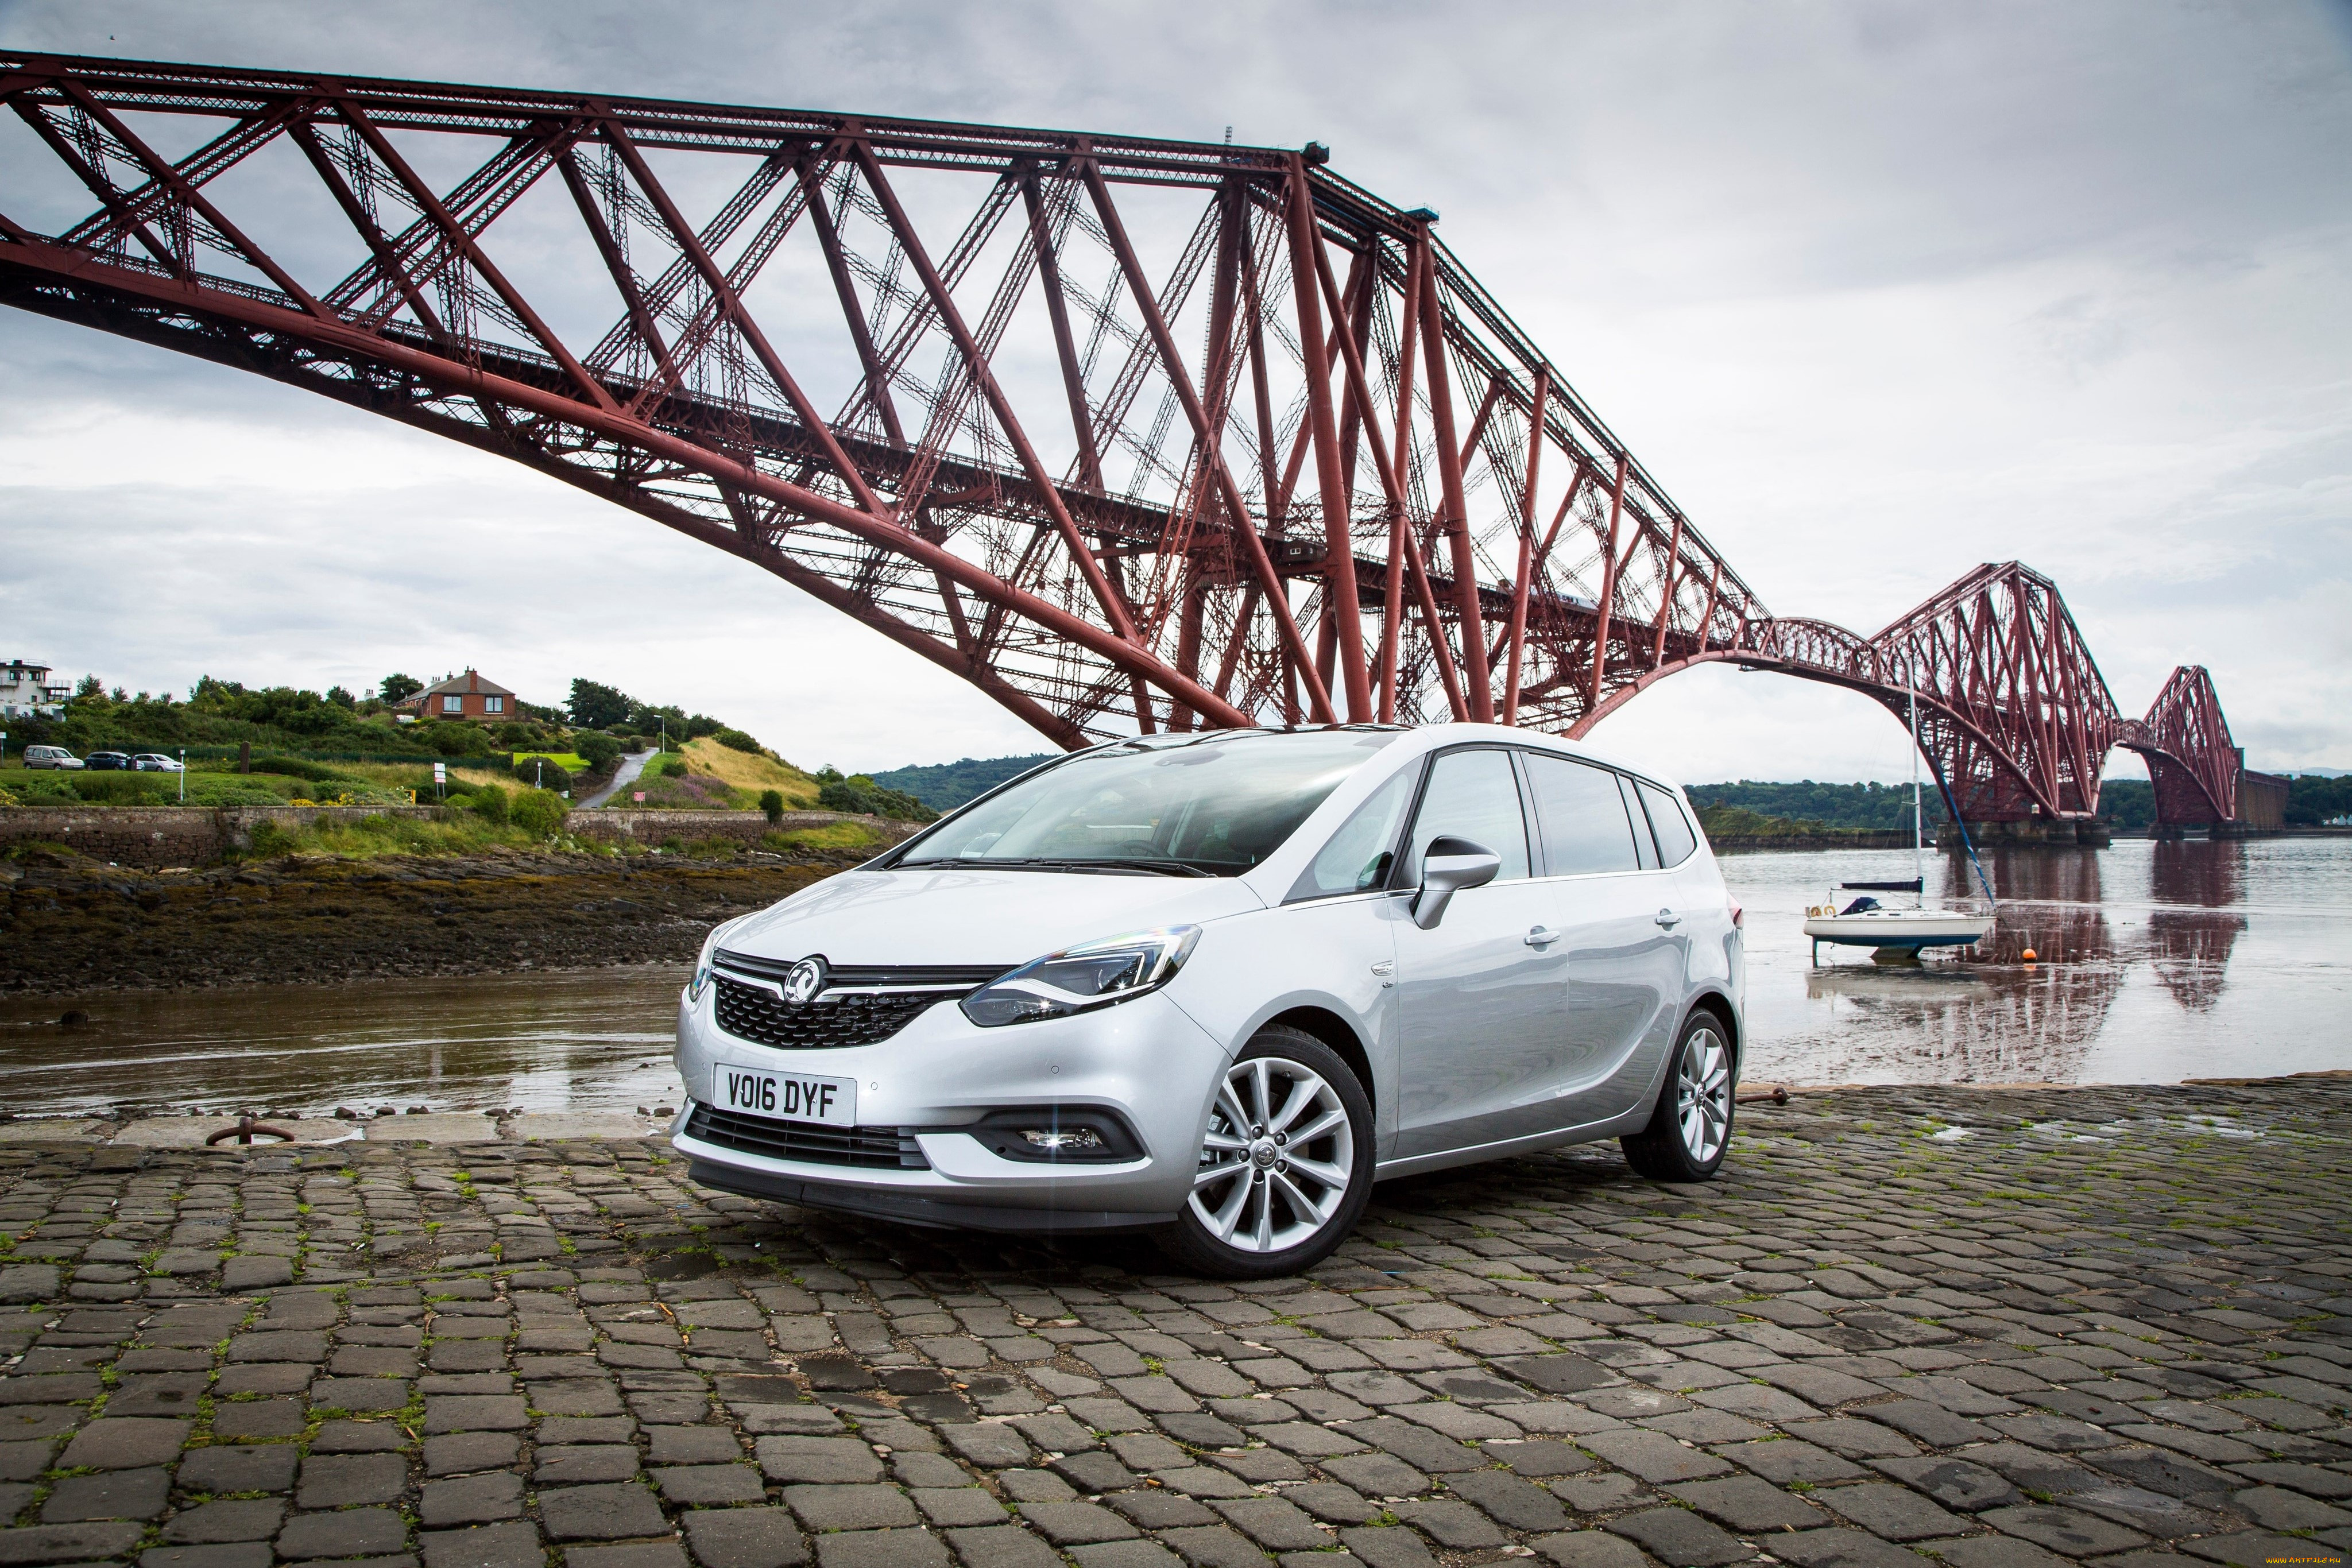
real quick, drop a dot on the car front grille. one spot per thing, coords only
(869, 1148)
(863, 1006)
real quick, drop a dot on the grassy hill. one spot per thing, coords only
(948, 785)
(750, 771)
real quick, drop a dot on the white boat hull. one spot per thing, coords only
(1901, 928)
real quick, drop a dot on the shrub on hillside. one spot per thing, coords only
(541, 773)
(269, 840)
(457, 739)
(861, 795)
(736, 740)
(599, 751)
(538, 812)
(771, 803)
(491, 803)
(294, 767)
(126, 790)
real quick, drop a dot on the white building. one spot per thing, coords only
(25, 691)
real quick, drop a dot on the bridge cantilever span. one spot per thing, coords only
(1133, 435)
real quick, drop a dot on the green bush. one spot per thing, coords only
(269, 840)
(599, 751)
(457, 739)
(45, 788)
(538, 812)
(228, 789)
(125, 789)
(294, 767)
(490, 802)
(541, 772)
(859, 794)
(771, 801)
(736, 740)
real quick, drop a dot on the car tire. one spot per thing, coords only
(1257, 1210)
(1690, 1127)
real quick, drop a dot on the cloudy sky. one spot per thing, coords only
(1878, 291)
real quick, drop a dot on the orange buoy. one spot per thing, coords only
(2029, 955)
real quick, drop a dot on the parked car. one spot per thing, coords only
(1215, 984)
(154, 762)
(51, 757)
(103, 761)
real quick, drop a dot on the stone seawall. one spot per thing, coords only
(159, 836)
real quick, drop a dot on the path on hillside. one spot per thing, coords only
(631, 766)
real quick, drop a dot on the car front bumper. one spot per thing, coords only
(1146, 1061)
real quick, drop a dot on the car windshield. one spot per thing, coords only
(1211, 806)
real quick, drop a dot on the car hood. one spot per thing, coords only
(969, 917)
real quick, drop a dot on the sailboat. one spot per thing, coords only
(1898, 933)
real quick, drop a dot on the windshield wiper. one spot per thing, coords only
(1089, 868)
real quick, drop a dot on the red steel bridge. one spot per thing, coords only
(1133, 435)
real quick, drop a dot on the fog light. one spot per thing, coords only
(1062, 1138)
(1050, 1134)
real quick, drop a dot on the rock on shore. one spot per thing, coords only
(69, 924)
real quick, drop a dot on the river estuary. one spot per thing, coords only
(2157, 963)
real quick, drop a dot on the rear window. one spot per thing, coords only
(1676, 840)
(1585, 828)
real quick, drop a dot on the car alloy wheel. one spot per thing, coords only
(1690, 1123)
(1278, 1159)
(1703, 1095)
(1286, 1162)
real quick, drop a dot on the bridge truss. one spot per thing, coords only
(1134, 435)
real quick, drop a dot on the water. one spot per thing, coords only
(2159, 962)
(597, 1039)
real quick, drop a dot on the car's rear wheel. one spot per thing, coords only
(1285, 1166)
(1690, 1130)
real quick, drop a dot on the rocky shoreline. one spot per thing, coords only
(72, 924)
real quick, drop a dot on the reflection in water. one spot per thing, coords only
(2157, 962)
(600, 1037)
(2136, 949)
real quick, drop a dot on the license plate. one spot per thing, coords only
(787, 1097)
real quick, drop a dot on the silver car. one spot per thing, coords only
(1216, 985)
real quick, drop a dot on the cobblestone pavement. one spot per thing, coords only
(1993, 1328)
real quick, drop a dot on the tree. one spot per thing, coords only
(594, 705)
(771, 802)
(340, 698)
(396, 687)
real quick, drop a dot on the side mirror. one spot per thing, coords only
(1449, 865)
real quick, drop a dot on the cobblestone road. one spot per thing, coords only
(1989, 1327)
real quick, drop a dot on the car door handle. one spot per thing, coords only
(1669, 918)
(1540, 936)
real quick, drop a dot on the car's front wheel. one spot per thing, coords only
(1691, 1128)
(1285, 1166)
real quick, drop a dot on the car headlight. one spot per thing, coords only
(1079, 979)
(701, 981)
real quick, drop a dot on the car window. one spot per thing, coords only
(1676, 839)
(1645, 845)
(1472, 795)
(1360, 854)
(1585, 828)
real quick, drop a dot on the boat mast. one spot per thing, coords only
(1919, 853)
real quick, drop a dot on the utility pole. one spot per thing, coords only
(183, 775)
